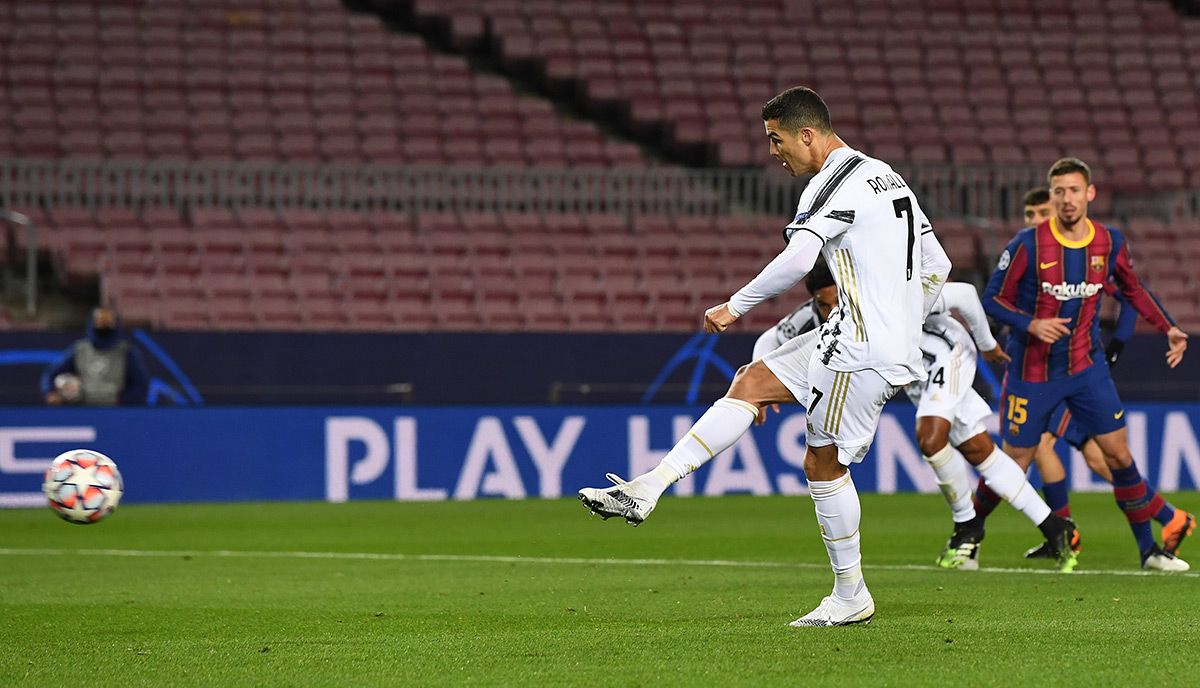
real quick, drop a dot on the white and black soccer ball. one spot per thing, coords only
(83, 486)
(69, 387)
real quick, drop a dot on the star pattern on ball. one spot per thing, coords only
(83, 486)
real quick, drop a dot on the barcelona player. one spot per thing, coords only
(1037, 208)
(1047, 288)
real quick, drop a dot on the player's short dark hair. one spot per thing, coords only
(798, 107)
(1036, 196)
(819, 277)
(1069, 166)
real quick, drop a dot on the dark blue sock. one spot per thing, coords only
(1140, 503)
(1165, 514)
(1056, 498)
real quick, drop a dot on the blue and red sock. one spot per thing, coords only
(985, 500)
(1140, 503)
(1056, 498)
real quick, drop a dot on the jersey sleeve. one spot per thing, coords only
(781, 274)
(963, 298)
(1000, 295)
(1126, 314)
(1138, 296)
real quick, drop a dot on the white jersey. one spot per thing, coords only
(942, 335)
(871, 225)
(949, 354)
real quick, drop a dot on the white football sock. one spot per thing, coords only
(839, 512)
(1006, 479)
(717, 430)
(951, 472)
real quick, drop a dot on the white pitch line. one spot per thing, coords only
(479, 558)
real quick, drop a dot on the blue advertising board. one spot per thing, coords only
(434, 453)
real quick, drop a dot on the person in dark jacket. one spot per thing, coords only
(110, 369)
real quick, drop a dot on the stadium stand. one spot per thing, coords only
(305, 270)
(293, 81)
(311, 82)
(1004, 83)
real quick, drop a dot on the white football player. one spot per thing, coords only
(862, 217)
(951, 415)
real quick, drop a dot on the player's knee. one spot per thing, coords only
(1118, 459)
(931, 443)
(821, 464)
(1022, 455)
(1092, 456)
(932, 437)
(977, 449)
(747, 382)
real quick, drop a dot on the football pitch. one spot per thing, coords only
(539, 592)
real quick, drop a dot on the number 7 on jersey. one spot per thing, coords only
(903, 206)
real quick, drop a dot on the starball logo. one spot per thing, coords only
(1067, 292)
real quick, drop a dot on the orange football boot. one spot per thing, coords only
(1174, 533)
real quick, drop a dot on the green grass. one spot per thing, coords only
(181, 614)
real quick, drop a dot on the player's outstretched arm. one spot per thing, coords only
(781, 274)
(1136, 293)
(962, 297)
(1146, 303)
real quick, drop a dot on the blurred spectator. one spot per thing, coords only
(106, 369)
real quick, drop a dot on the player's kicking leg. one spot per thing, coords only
(754, 387)
(780, 377)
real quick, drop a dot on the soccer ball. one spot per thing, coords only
(69, 386)
(83, 486)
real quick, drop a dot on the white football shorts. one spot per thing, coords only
(789, 362)
(844, 409)
(948, 393)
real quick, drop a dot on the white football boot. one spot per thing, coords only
(835, 612)
(629, 500)
(1158, 560)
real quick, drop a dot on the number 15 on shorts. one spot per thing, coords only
(1017, 413)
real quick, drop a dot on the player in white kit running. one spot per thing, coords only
(862, 217)
(951, 415)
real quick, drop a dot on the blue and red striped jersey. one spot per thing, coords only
(1042, 274)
